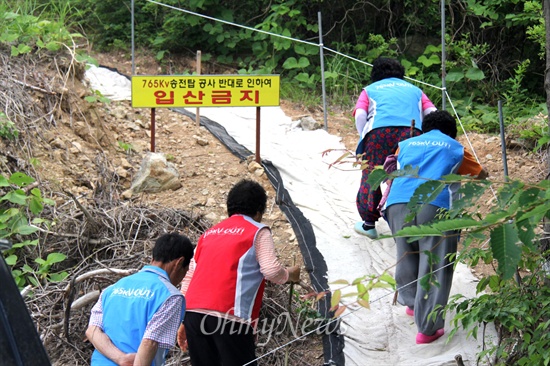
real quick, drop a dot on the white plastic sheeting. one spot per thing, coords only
(110, 84)
(383, 335)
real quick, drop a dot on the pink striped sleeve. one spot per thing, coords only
(188, 277)
(270, 266)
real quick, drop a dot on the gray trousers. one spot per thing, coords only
(421, 258)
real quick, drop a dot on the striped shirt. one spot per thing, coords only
(163, 327)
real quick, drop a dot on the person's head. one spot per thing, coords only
(440, 120)
(383, 68)
(246, 198)
(173, 253)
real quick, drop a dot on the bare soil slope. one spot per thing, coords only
(86, 154)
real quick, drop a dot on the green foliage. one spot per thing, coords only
(359, 289)
(126, 147)
(8, 130)
(521, 312)
(19, 219)
(97, 97)
(25, 32)
(517, 305)
(483, 66)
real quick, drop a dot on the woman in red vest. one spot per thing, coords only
(224, 288)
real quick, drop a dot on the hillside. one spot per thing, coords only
(84, 155)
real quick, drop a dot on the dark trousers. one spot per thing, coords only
(377, 145)
(215, 341)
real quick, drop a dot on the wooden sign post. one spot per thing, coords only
(205, 91)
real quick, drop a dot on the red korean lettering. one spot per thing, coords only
(221, 96)
(191, 98)
(247, 96)
(160, 96)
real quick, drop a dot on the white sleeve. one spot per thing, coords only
(360, 120)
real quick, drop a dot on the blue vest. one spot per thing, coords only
(436, 155)
(393, 102)
(129, 304)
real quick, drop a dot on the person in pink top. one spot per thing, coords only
(224, 286)
(388, 111)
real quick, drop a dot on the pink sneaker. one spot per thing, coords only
(409, 311)
(422, 338)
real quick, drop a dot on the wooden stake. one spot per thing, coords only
(198, 113)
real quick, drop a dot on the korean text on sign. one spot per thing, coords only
(205, 91)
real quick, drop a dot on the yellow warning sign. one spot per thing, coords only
(205, 91)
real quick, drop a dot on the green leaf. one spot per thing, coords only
(15, 197)
(526, 233)
(505, 250)
(303, 62)
(53, 46)
(25, 229)
(456, 224)
(454, 76)
(387, 278)
(58, 277)
(23, 49)
(35, 205)
(4, 182)
(55, 258)
(340, 282)
(539, 210)
(11, 260)
(335, 299)
(433, 60)
(417, 231)
(290, 63)
(474, 73)
(21, 179)
(424, 194)
(376, 177)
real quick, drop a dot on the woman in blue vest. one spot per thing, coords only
(383, 116)
(435, 153)
(135, 321)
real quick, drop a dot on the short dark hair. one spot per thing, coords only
(246, 198)
(442, 121)
(173, 246)
(383, 68)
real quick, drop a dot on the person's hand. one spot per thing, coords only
(126, 360)
(294, 274)
(182, 338)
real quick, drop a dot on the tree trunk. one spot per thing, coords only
(545, 242)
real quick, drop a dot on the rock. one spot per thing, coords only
(254, 166)
(58, 143)
(200, 140)
(308, 123)
(155, 174)
(211, 217)
(121, 172)
(125, 164)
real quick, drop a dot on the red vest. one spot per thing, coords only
(227, 277)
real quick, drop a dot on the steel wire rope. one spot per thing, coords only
(353, 59)
(351, 311)
(316, 45)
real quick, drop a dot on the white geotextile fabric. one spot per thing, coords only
(111, 84)
(383, 335)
